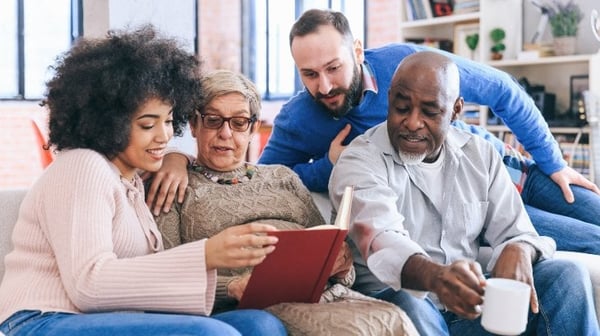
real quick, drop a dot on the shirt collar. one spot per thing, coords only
(368, 79)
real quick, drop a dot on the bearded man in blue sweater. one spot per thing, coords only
(346, 94)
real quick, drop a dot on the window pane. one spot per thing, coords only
(160, 13)
(259, 41)
(47, 33)
(9, 66)
(281, 64)
(355, 12)
(308, 4)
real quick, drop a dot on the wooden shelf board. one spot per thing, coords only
(441, 20)
(542, 60)
(553, 130)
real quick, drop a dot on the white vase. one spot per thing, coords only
(564, 45)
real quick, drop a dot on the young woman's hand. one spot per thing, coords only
(240, 246)
(237, 286)
(343, 262)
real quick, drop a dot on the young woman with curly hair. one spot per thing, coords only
(88, 258)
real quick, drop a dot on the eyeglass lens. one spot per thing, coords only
(238, 124)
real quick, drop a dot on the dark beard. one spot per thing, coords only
(351, 98)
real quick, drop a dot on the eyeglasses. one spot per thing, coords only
(237, 124)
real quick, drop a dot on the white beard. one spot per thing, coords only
(412, 158)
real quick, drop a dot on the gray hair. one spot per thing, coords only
(222, 82)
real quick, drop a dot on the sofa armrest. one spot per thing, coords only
(10, 201)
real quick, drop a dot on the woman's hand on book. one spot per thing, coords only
(343, 262)
(239, 246)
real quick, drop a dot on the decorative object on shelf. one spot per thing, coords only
(592, 106)
(579, 84)
(466, 40)
(595, 21)
(472, 42)
(564, 20)
(441, 7)
(497, 35)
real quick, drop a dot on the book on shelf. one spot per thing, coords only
(439, 43)
(576, 151)
(465, 6)
(299, 267)
(418, 10)
(470, 113)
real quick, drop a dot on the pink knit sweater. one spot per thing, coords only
(86, 242)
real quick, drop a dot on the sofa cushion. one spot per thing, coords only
(10, 200)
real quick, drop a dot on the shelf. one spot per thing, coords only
(542, 60)
(553, 130)
(441, 20)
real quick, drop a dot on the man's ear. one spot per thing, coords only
(457, 108)
(359, 52)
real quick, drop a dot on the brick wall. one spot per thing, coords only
(220, 34)
(383, 22)
(19, 153)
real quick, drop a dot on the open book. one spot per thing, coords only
(298, 269)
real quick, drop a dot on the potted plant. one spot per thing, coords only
(472, 40)
(497, 35)
(564, 21)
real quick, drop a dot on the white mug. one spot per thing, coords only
(505, 306)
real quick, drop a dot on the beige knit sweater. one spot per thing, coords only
(275, 195)
(86, 242)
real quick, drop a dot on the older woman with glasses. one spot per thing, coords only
(224, 191)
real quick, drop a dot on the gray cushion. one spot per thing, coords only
(10, 200)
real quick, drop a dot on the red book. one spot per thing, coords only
(298, 269)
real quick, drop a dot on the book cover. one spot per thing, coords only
(298, 269)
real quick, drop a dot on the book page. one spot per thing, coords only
(342, 220)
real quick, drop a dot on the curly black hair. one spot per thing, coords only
(99, 84)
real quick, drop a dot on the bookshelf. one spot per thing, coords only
(552, 72)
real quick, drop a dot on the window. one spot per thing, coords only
(177, 19)
(32, 34)
(266, 54)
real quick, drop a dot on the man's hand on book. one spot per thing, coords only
(343, 262)
(237, 286)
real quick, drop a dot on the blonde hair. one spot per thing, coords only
(222, 82)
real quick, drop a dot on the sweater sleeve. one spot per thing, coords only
(101, 252)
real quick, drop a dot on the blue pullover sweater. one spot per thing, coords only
(303, 129)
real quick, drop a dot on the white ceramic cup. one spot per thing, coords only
(505, 306)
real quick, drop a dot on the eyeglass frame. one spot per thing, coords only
(224, 120)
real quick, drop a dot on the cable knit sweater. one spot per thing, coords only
(275, 195)
(86, 242)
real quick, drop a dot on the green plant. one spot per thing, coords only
(497, 35)
(564, 18)
(472, 41)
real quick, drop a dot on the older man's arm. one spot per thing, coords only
(459, 286)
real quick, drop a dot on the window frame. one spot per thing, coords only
(76, 30)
